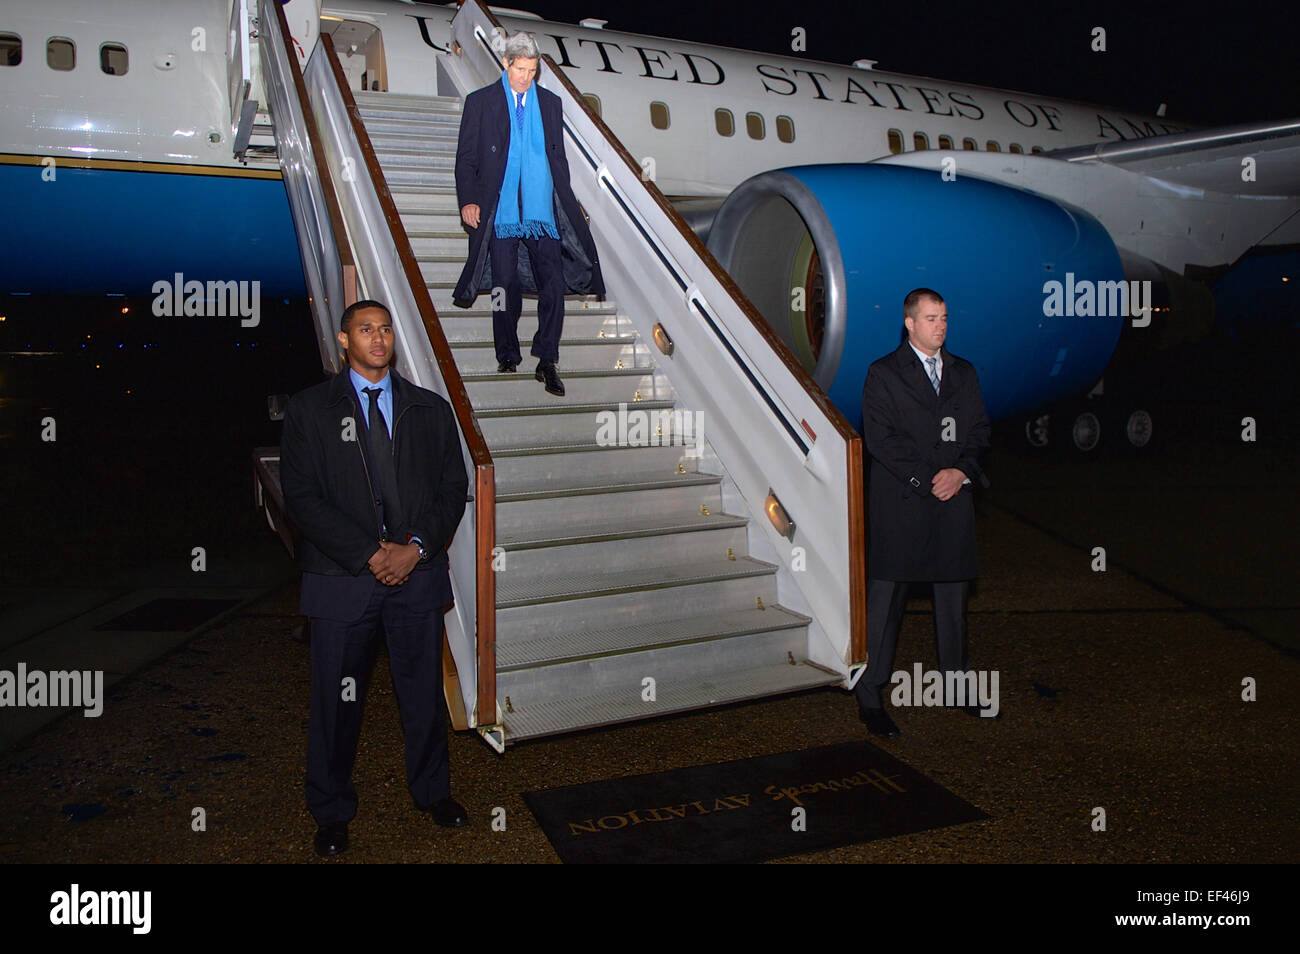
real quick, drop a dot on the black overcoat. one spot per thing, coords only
(326, 481)
(480, 170)
(911, 434)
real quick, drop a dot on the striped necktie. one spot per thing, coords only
(934, 375)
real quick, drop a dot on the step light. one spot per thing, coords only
(780, 519)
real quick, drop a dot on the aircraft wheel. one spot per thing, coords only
(1086, 431)
(1037, 430)
(1138, 429)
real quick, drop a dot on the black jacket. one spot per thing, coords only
(480, 170)
(911, 434)
(326, 482)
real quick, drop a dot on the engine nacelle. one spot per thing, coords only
(828, 252)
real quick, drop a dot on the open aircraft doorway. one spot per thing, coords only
(360, 47)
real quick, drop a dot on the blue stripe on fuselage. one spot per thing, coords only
(97, 230)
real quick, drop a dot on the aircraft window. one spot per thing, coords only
(659, 115)
(920, 141)
(1036, 150)
(754, 125)
(112, 59)
(1014, 147)
(785, 129)
(895, 141)
(60, 53)
(724, 122)
(945, 142)
(970, 144)
(11, 49)
(593, 101)
(992, 146)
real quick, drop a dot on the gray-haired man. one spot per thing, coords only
(512, 185)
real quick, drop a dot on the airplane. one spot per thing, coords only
(132, 102)
(302, 150)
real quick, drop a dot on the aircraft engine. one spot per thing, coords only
(827, 253)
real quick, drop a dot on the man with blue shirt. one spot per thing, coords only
(527, 231)
(375, 482)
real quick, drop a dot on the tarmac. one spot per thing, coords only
(1120, 689)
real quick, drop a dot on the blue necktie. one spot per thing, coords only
(519, 111)
(934, 377)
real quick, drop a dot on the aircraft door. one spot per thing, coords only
(360, 47)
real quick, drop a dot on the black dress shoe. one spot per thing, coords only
(332, 839)
(878, 723)
(448, 813)
(546, 373)
(506, 367)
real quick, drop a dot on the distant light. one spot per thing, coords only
(119, 344)
(1284, 278)
(3, 318)
(125, 309)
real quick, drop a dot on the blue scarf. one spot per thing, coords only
(526, 166)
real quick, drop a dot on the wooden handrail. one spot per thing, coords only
(851, 438)
(484, 479)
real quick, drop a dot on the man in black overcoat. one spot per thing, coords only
(924, 425)
(375, 482)
(511, 140)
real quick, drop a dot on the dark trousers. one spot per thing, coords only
(886, 601)
(412, 617)
(548, 274)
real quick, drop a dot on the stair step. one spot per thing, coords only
(606, 708)
(550, 425)
(657, 497)
(607, 527)
(530, 466)
(581, 387)
(594, 643)
(581, 320)
(576, 353)
(562, 585)
(596, 487)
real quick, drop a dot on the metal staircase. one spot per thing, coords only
(617, 564)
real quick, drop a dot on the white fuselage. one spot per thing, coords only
(172, 105)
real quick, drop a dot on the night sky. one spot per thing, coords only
(1214, 64)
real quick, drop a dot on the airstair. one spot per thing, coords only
(677, 531)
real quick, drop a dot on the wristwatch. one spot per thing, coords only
(425, 555)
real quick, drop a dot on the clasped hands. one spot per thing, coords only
(946, 483)
(392, 563)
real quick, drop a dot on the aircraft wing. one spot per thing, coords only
(1210, 159)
